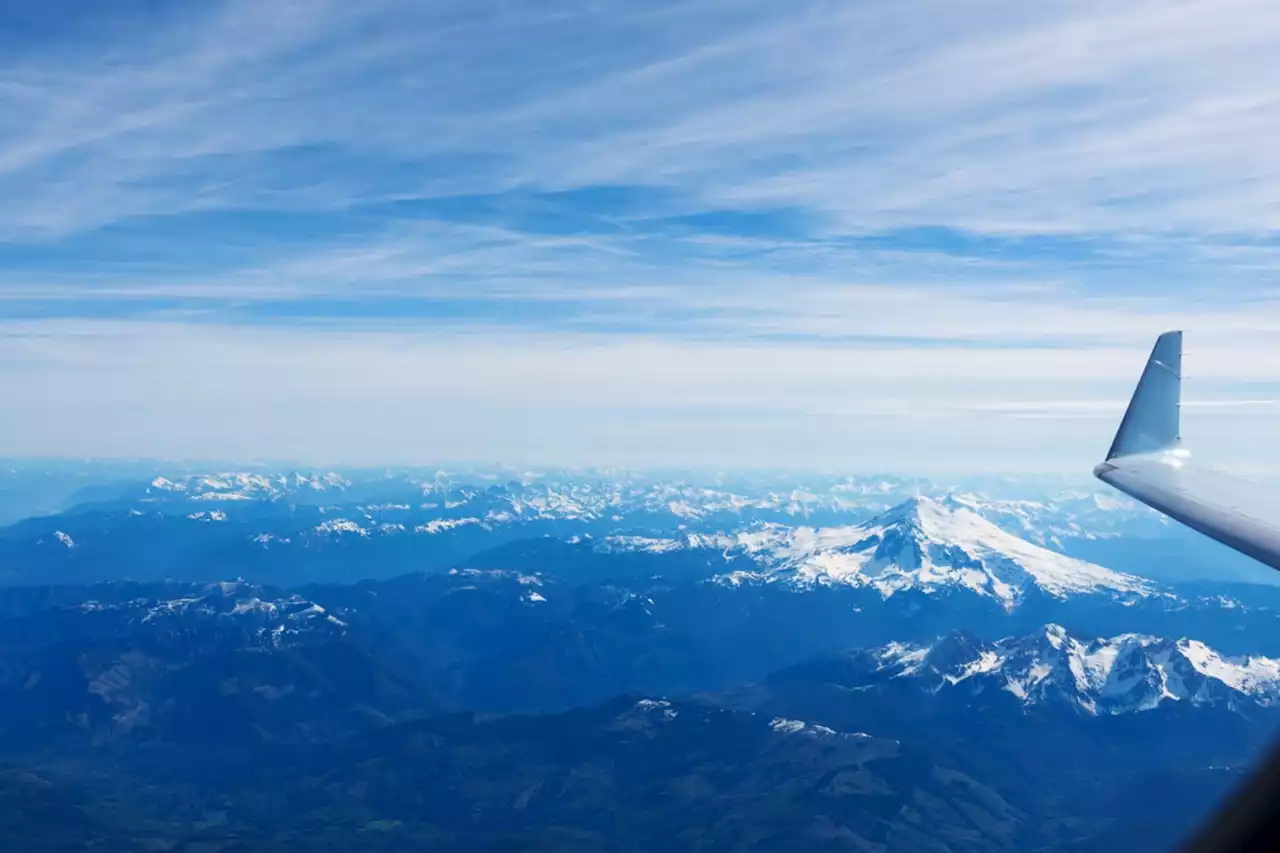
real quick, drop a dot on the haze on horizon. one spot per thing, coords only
(818, 235)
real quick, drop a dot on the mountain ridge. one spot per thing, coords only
(1098, 676)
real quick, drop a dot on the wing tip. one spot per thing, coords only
(1168, 350)
(1152, 420)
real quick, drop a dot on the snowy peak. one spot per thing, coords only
(919, 513)
(1123, 674)
(952, 654)
(256, 614)
(603, 496)
(931, 545)
(622, 544)
(243, 486)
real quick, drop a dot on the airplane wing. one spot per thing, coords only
(1148, 461)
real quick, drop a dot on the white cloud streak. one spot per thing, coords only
(111, 388)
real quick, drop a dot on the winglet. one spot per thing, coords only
(1151, 421)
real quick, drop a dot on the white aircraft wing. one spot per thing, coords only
(1148, 461)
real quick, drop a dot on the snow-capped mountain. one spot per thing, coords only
(585, 495)
(1047, 518)
(240, 486)
(927, 545)
(1066, 515)
(285, 528)
(255, 615)
(1117, 675)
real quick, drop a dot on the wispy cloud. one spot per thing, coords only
(994, 117)
(895, 200)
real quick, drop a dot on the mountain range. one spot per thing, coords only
(227, 696)
(291, 528)
(916, 676)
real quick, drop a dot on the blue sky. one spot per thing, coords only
(924, 236)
